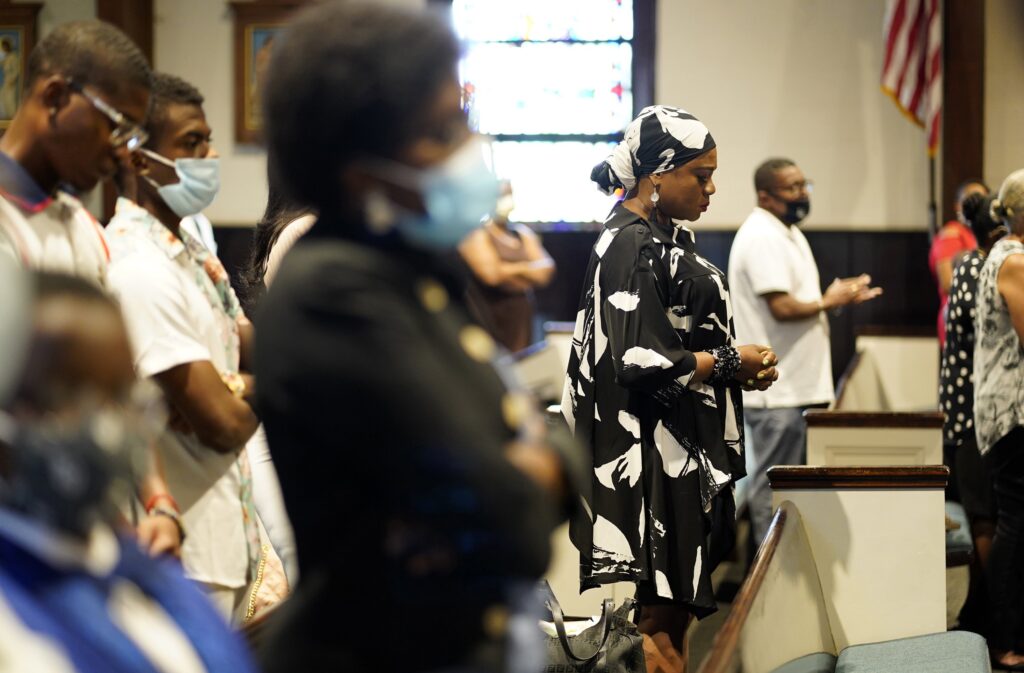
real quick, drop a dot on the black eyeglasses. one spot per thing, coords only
(126, 133)
(797, 187)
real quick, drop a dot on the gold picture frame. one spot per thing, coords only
(17, 37)
(256, 24)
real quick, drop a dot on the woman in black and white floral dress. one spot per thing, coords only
(654, 380)
(999, 415)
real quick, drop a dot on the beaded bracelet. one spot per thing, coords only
(173, 516)
(727, 363)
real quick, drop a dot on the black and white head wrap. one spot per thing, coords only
(662, 138)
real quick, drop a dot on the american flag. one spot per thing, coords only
(912, 74)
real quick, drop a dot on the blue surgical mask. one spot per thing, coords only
(457, 195)
(197, 185)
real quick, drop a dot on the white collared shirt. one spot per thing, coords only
(57, 234)
(769, 256)
(171, 322)
(199, 226)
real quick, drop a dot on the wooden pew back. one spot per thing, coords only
(783, 578)
(853, 556)
(850, 439)
(893, 370)
(878, 539)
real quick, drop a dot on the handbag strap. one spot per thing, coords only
(604, 624)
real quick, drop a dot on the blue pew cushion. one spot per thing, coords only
(819, 662)
(949, 652)
(959, 544)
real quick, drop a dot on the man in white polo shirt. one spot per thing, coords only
(189, 334)
(777, 301)
(86, 95)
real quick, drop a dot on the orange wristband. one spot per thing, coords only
(153, 500)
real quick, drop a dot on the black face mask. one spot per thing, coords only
(796, 211)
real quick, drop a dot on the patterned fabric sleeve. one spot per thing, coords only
(647, 353)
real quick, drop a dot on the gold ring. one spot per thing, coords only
(750, 383)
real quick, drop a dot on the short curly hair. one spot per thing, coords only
(350, 79)
(92, 53)
(168, 90)
(764, 176)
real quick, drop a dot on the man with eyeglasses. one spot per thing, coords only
(86, 95)
(777, 300)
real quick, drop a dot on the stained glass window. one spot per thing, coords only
(548, 87)
(551, 180)
(543, 20)
(551, 81)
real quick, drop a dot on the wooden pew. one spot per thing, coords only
(559, 335)
(539, 369)
(541, 366)
(854, 438)
(783, 574)
(852, 567)
(878, 538)
(893, 369)
(850, 438)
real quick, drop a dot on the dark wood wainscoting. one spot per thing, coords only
(897, 261)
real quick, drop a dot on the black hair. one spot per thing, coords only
(281, 209)
(350, 79)
(977, 210)
(49, 285)
(91, 53)
(962, 187)
(168, 90)
(764, 176)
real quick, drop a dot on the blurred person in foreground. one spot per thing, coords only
(75, 594)
(422, 486)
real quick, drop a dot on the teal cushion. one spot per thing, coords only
(950, 652)
(819, 662)
(958, 540)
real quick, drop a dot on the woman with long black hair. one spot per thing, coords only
(284, 222)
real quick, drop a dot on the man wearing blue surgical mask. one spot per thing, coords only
(190, 335)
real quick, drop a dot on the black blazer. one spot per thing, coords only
(387, 426)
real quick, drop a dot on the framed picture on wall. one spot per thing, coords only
(256, 25)
(17, 37)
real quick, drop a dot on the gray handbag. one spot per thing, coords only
(613, 645)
